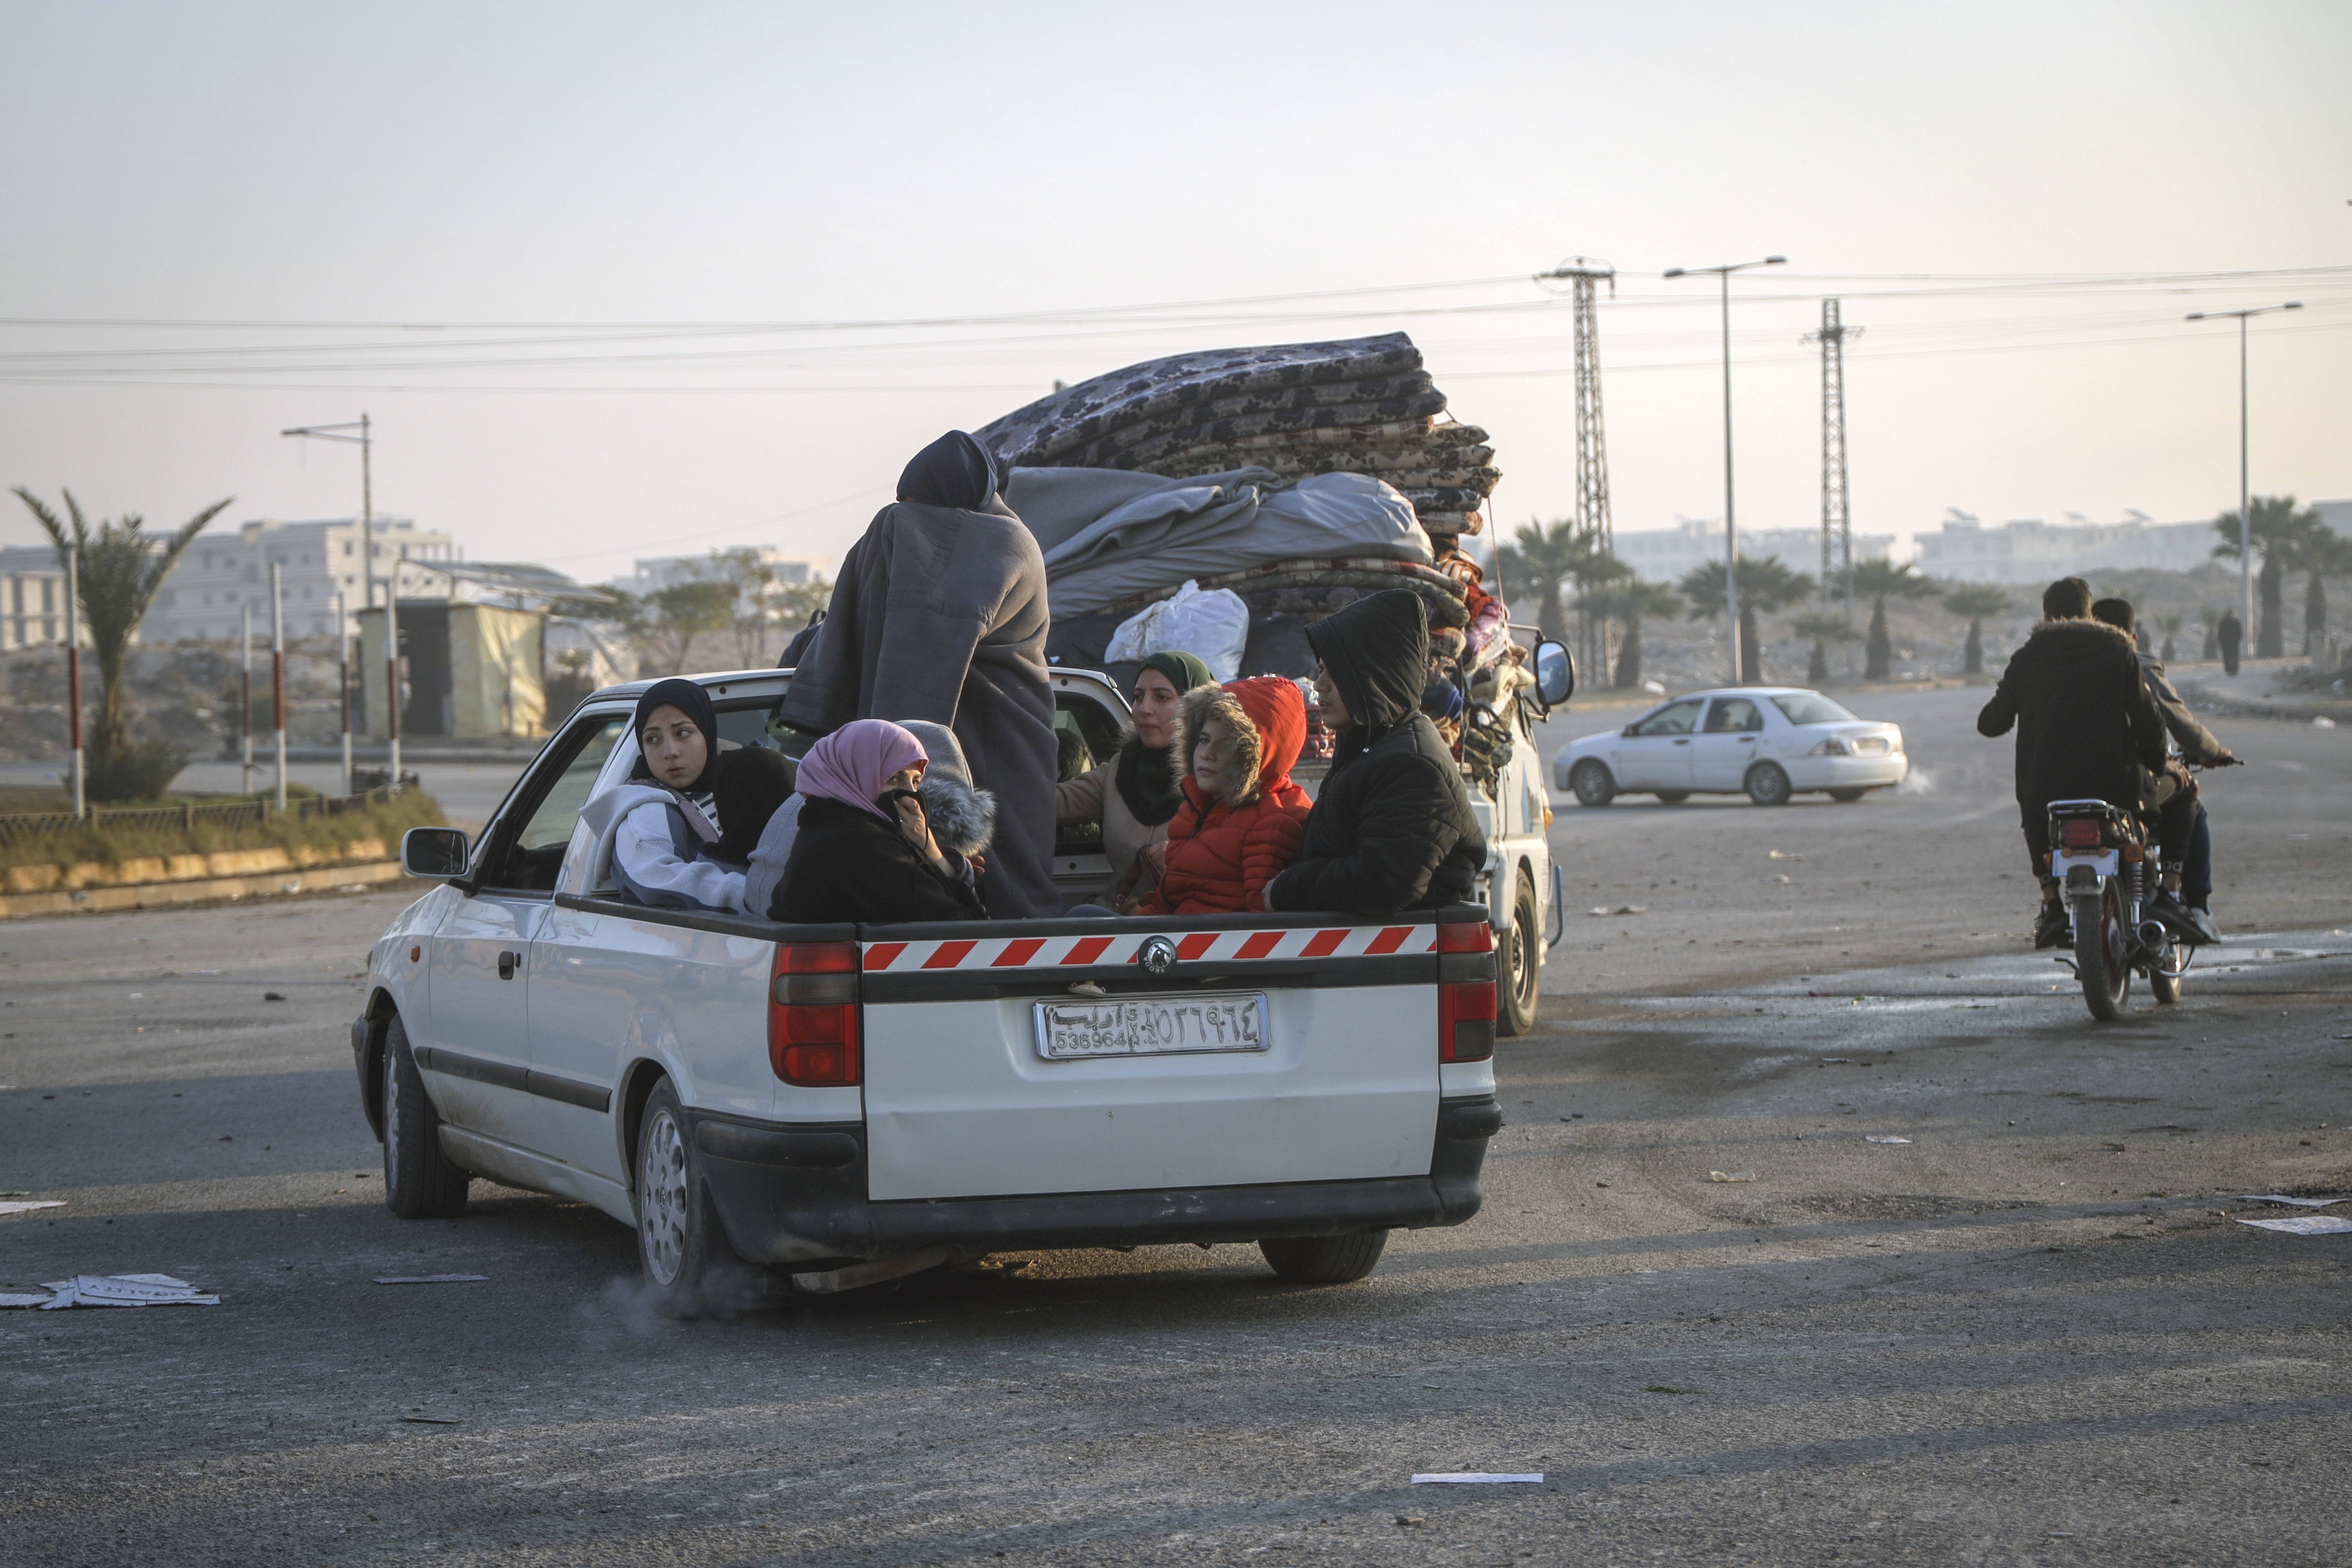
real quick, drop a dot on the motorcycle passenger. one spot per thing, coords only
(656, 829)
(2087, 729)
(2183, 902)
(1392, 828)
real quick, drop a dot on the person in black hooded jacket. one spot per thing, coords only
(1391, 828)
(2087, 730)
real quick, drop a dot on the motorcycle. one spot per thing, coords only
(2100, 853)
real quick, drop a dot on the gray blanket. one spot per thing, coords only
(1109, 534)
(940, 613)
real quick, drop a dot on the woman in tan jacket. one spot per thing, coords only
(1136, 792)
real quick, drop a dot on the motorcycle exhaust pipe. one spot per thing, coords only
(2153, 934)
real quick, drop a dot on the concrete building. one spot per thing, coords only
(2029, 551)
(1665, 555)
(2336, 515)
(669, 571)
(32, 597)
(220, 575)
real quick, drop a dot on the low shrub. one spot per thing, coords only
(110, 844)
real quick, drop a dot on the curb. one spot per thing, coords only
(201, 891)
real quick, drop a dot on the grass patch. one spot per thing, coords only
(110, 844)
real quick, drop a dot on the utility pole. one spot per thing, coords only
(365, 442)
(2245, 484)
(343, 683)
(1730, 518)
(1837, 517)
(1592, 518)
(245, 700)
(278, 674)
(73, 679)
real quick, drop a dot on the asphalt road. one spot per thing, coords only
(2034, 1333)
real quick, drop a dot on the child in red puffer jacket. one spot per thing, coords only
(1242, 818)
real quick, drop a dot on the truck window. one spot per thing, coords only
(1086, 736)
(527, 861)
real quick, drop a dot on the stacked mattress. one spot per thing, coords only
(1362, 405)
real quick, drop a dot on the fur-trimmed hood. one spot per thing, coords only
(2086, 628)
(1267, 719)
(963, 816)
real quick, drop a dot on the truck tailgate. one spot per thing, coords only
(963, 1100)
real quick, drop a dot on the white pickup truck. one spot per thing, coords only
(779, 1109)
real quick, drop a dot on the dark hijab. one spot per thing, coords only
(1151, 782)
(688, 698)
(748, 786)
(953, 471)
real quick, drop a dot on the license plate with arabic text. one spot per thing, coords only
(1151, 1025)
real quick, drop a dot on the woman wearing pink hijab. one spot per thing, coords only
(865, 853)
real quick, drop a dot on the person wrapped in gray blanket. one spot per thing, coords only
(939, 614)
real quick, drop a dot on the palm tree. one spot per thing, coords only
(1629, 602)
(2323, 554)
(1823, 628)
(1879, 580)
(1764, 585)
(122, 569)
(1535, 566)
(1974, 602)
(2171, 626)
(2279, 531)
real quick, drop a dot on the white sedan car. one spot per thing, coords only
(1765, 742)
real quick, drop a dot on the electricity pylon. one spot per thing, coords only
(1837, 515)
(1591, 454)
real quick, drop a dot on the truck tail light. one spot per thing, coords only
(813, 1014)
(1465, 990)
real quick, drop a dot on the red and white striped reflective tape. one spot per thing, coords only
(1085, 951)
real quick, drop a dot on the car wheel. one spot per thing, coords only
(1590, 781)
(1768, 784)
(419, 1182)
(689, 1267)
(1518, 964)
(1325, 1259)
(1843, 795)
(1674, 796)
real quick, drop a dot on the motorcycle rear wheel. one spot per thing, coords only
(2099, 958)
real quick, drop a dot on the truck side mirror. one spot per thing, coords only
(1555, 673)
(434, 853)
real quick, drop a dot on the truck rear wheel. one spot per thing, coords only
(1325, 1259)
(692, 1272)
(419, 1182)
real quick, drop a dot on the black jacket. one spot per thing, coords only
(1391, 828)
(2083, 714)
(2196, 742)
(849, 866)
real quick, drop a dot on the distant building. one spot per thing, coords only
(2336, 515)
(2031, 550)
(669, 571)
(1666, 555)
(219, 576)
(32, 597)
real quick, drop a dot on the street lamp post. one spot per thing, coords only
(365, 442)
(1730, 518)
(2245, 487)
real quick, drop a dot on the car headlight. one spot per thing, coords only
(1833, 747)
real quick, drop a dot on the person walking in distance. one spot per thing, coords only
(2229, 632)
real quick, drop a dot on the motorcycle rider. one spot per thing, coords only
(2183, 901)
(2087, 729)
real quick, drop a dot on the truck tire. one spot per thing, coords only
(1325, 1259)
(689, 1268)
(1518, 964)
(1590, 781)
(419, 1182)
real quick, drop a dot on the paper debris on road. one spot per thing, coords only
(1885, 1137)
(435, 1420)
(2304, 1224)
(27, 1208)
(114, 1290)
(12, 1299)
(1620, 909)
(2283, 1198)
(433, 1279)
(1731, 1175)
(1471, 1477)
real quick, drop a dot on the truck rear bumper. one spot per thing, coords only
(793, 1194)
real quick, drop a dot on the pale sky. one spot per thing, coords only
(502, 217)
